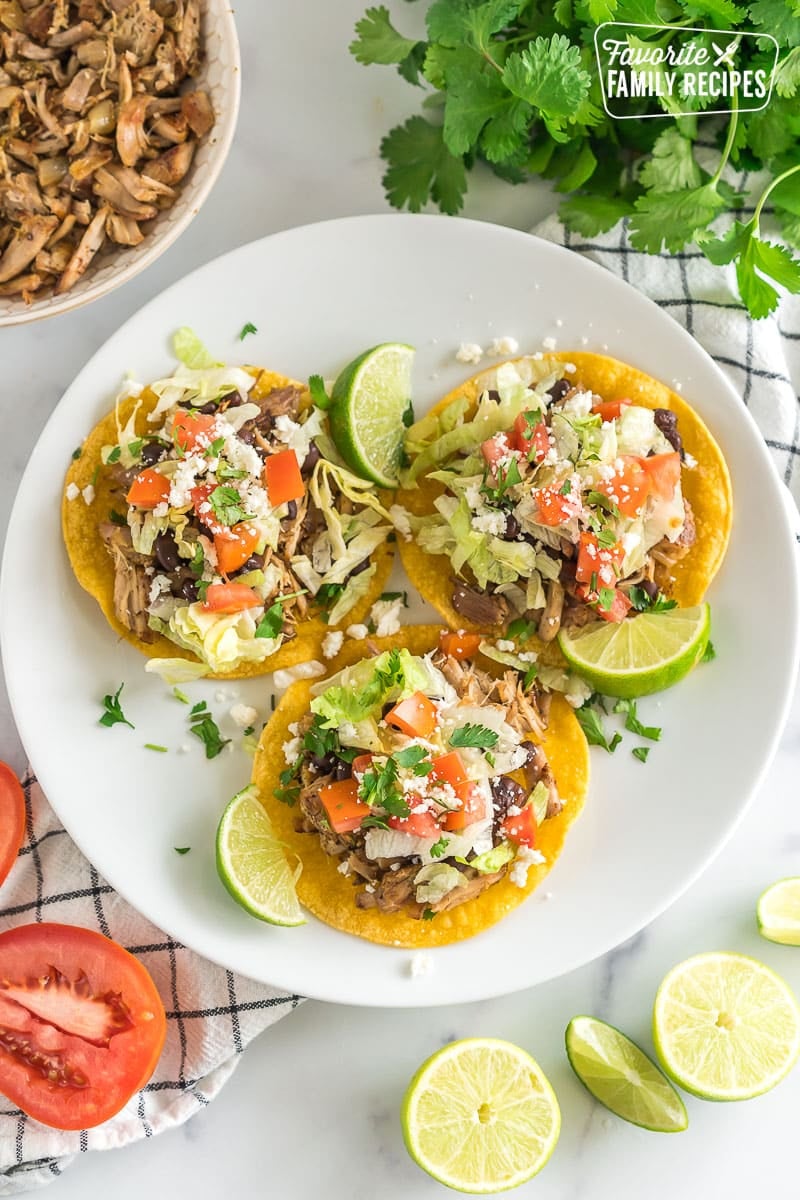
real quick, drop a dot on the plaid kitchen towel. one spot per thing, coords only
(212, 1014)
(760, 358)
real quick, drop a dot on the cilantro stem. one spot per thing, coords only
(485, 53)
(726, 149)
(763, 199)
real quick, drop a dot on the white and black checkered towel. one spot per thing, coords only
(213, 1014)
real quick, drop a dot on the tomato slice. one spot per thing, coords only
(190, 428)
(610, 410)
(283, 478)
(230, 598)
(341, 803)
(618, 610)
(552, 508)
(449, 768)
(81, 1024)
(629, 487)
(204, 511)
(459, 645)
(421, 824)
(664, 473)
(531, 436)
(149, 489)
(415, 716)
(234, 549)
(361, 764)
(495, 448)
(521, 828)
(12, 819)
(602, 562)
(473, 807)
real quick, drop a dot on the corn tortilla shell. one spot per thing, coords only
(707, 486)
(94, 568)
(331, 897)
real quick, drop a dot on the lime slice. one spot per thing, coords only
(251, 862)
(622, 1077)
(480, 1116)
(644, 654)
(778, 912)
(725, 1026)
(370, 400)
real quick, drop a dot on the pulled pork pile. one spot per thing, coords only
(96, 133)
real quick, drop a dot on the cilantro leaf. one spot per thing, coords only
(182, 849)
(247, 329)
(207, 730)
(672, 219)
(591, 723)
(378, 41)
(438, 848)
(227, 505)
(709, 654)
(786, 77)
(672, 165)
(454, 22)
(271, 623)
(471, 101)
(378, 789)
(411, 756)
(421, 168)
(316, 387)
(521, 630)
(632, 722)
(756, 262)
(549, 75)
(117, 518)
(778, 18)
(505, 136)
(590, 215)
(477, 736)
(428, 914)
(113, 714)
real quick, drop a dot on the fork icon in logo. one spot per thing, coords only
(725, 55)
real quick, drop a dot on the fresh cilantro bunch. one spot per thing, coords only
(514, 83)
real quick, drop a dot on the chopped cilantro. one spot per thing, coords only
(600, 500)
(605, 598)
(642, 602)
(521, 630)
(135, 447)
(271, 623)
(207, 730)
(395, 596)
(438, 848)
(606, 538)
(181, 849)
(198, 561)
(114, 455)
(76, 453)
(566, 487)
(632, 722)
(227, 505)
(593, 582)
(410, 757)
(247, 329)
(378, 790)
(506, 477)
(428, 914)
(214, 449)
(249, 731)
(490, 758)
(530, 674)
(95, 475)
(117, 518)
(179, 695)
(709, 654)
(153, 746)
(113, 714)
(200, 707)
(316, 387)
(641, 752)
(202, 589)
(477, 736)
(374, 822)
(328, 594)
(226, 471)
(591, 724)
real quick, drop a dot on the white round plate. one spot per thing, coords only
(319, 295)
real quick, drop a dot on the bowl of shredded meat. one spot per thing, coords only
(116, 117)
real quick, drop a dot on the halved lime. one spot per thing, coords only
(725, 1026)
(480, 1116)
(643, 654)
(370, 400)
(778, 912)
(622, 1077)
(251, 862)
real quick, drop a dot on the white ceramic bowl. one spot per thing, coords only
(220, 76)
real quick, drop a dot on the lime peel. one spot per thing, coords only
(369, 403)
(778, 912)
(252, 864)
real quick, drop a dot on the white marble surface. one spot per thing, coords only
(314, 1103)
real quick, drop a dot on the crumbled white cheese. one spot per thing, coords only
(526, 858)
(385, 615)
(400, 520)
(549, 343)
(630, 541)
(305, 670)
(357, 632)
(420, 964)
(501, 346)
(332, 643)
(294, 728)
(469, 352)
(570, 368)
(160, 586)
(690, 461)
(88, 494)
(291, 750)
(506, 646)
(243, 715)
(184, 480)
(490, 521)
(73, 491)
(344, 867)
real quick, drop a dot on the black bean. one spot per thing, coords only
(207, 409)
(325, 763)
(362, 566)
(291, 510)
(247, 436)
(494, 395)
(559, 390)
(310, 460)
(650, 588)
(667, 422)
(152, 453)
(505, 792)
(512, 528)
(254, 563)
(188, 590)
(232, 400)
(166, 551)
(530, 751)
(342, 770)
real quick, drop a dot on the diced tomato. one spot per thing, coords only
(235, 547)
(418, 824)
(148, 489)
(473, 807)
(83, 1025)
(531, 436)
(552, 507)
(190, 427)
(522, 827)
(629, 487)
(600, 561)
(619, 609)
(610, 410)
(664, 473)
(415, 716)
(361, 764)
(283, 478)
(449, 768)
(495, 448)
(341, 803)
(459, 645)
(12, 819)
(205, 513)
(230, 598)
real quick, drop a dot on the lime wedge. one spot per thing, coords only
(622, 1077)
(778, 912)
(370, 402)
(643, 654)
(725, 1026)
(251, 862)
(480, 1116)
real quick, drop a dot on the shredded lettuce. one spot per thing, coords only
(354, 590)
(435, 881)
(494, 859)
(176, 670)
(506, 658)
(636, 430)
(223, 641)
(575, 691)
(355, 693)
(188, 349)
(539, 799)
